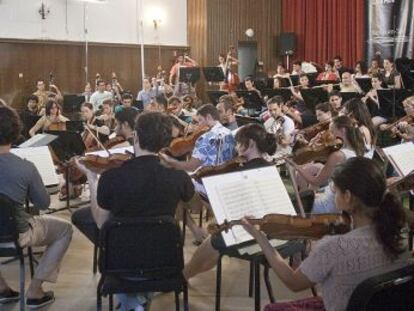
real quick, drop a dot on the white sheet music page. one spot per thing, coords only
(41, 158)
(401, 157)
(255, 193)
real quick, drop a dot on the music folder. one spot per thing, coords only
(349, 95)
(213, 74)
(314, 96)
(390, 102)
(215, 96)
(67, 145)
(72, 103)
(252, 100)
(364, 83)
(38, 140)
(189, 74)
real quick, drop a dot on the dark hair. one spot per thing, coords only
(335, 93)
(363, 66)
(153, 130)
(303, 75)
(222, 55)
(99, 81)
(338, 57)
(389, 59)
(160, 99)
(281, 65)
(40, 80)
(128, 115)
(265, 142)
(10, 125)
(107, 102)
(330, 63)
(127, 95)
(360, 113)
(352, 133)
(249, 78)
(298, 62)
(366, 181)
(209, 109)
(49, 106)
(174, 99)
(228, 101)
(88, 105)
(34, 98)
(278, 100)
(325, 107)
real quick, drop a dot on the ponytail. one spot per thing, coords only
(352, 133)
(389, 220)
(270, 144)
(265, 142)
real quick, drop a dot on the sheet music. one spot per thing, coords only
(41, 158)
(401, 157)
(253, 193)
(38, 140)
(255, 248)
(103, 153)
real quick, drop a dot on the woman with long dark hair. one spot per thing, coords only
(339, 263)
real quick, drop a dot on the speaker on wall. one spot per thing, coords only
(287, 43)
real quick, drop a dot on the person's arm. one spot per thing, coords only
(189, 166)
(192, 61)
(295, 280)
(59, 95)
(104, 130)
(397, 82)
(326, 172)
(39, 124)
(37, 193)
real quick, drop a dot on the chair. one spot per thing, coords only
(9, 245)
(148, 249)
(390, 291)
(287, 249)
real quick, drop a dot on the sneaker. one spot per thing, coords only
(9, 296)
(36, 303)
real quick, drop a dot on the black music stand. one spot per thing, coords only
(314, 96)
(349, 95)
(67, 145)
(252, 101)
(213, 74)
(215, 96)
(189, 74)
(390, 102)
(364, 83)
(139, 104)
(72, 103)
(285, 93)
(312, 78)
(294, 79)
(325, 82)
(74, 126)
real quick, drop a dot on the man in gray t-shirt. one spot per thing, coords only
(98, 97)
(20, 180)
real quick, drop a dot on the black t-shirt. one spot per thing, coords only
(143, 187)
(254, 163)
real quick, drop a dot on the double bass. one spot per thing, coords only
(232, 80)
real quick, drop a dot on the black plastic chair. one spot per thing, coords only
(9, 245)
(147, 249)
(390, 291)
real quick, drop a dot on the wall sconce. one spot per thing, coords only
(43, 11)
(157, 16)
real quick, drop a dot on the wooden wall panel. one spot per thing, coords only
(227, 21)
(36, 59)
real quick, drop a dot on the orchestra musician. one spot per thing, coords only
(353, 146)
(30, 115)
(372, 102)
(329, 74)
(281, 72)
(359, 188)
(181, 89)
(323, 112)
(253, 144)
(175, 107)
(227, 106)
(94, 125)
(250, 85)
(391, 77)
(107, 114)
(43, 95)
(335, 100)
(297, 68)
(403, 129)
(347, 85)
(111, 195)
(361, 71)
(127, 101)
(100, 95)
(375, 67)
(225, 63)
(21, 181)
(147, 93)
(303, 84)
(52, 116)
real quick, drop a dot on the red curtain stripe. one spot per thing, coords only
(326, 28)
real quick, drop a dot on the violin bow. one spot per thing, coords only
(97, 140)
(291, 171)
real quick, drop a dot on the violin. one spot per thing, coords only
(182, 145)
(109, 144)
(403, 184)
(408, 118)
(288, 227)
(311, 131)
(100, 164)
(226, 167)
(57, 126)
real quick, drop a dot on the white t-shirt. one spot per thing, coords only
(339, 263)
(98, 98)
(272, 126)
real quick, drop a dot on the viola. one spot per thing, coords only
(183, 145)
(311, 131)
(100, 164)
(226, 167)
(403, 184)
(288, 227)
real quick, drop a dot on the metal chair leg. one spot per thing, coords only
(218, 284)
(257, 286)
(251, 279)
(95, 259)
(22, 281)
(185, 294)
(184, 223)
(31, 266)
(111, 302)
(268, 284)
(200, 221)
(99, 295)
(177, 300)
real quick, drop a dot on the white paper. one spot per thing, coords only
(401, 157)
(254, 193)
(255, 248)
(38, 140)
(41, 158)
(103, 153)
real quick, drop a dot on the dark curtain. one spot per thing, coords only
(326, 28)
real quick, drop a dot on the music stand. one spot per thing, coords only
(294, 79)
(364, 84)
(349, 95)
(390, 102)
(189, 74)
(285, 93)
(312, 97)
(312, 78)
(215, 96)
(322, 82)
(213, 74)
(75, 126)
(252, 100)
(72, 103)
(139, 104)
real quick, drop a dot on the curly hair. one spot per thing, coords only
(10, 125)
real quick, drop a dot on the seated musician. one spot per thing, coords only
(297, 68)
(189, 105)
(112, 196)
(281, 72)
(279, 125)
(375, 243)
(372, 102)
(353, 146)
(358, 112)
(323, 112)
(329, 74)
(100, 95)
(251, 86)
(29, 115)
(52, 116)
(348, 85)
(226, 107)
(107, 114)
(94, 125)
(303, 84)
(20, 180)
(159, 103)
(124, 124)
(175, 107)
(375, 67)
(391, 77)
(127, 101)
(335, 100)
(253, 144)
(405, 130)
(361, 71)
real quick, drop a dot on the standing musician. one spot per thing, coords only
(231, 79)
(93, 125)
(353, 146)
(339, 263)
(44, 95)
(253, 144)
(20, 180)
(51, 117)
(227, 106)
(112, 196)
(183, 60)
(100, 95)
